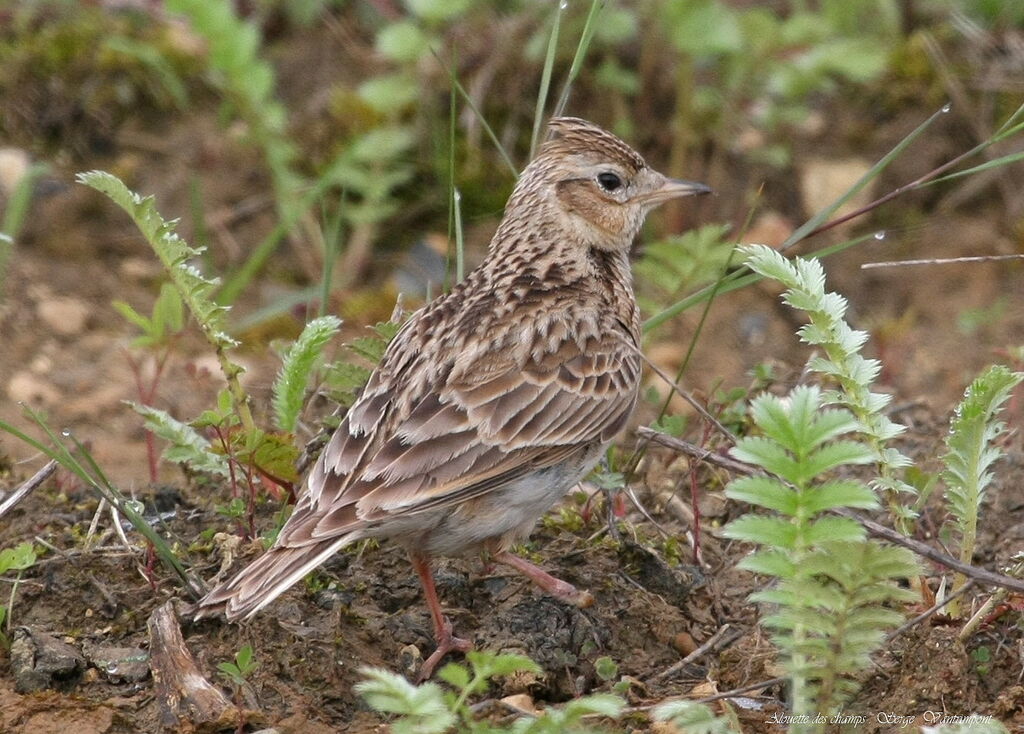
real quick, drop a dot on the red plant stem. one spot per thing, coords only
(151, 565)
(251, 504)
(146, 396)
(899, 190)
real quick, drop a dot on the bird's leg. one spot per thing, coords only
(446, 642)
(556, 587)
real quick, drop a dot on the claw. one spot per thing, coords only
(446, 643)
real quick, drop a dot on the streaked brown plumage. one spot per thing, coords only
(494, 400)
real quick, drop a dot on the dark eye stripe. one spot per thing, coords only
(609, 181)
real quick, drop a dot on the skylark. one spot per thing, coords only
(495, 399)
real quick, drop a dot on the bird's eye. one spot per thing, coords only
(609, 181)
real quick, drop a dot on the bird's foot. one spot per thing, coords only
(556, 587)
(446, 642)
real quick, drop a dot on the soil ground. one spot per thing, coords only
(63, 349)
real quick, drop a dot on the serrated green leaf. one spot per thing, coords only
(194, 289)
(765, 492)
(833, 529)
(296, 370)
(455, 675)
(691, 717)
(369, 347)
(769, 531)
(838, 493)
(187, 446)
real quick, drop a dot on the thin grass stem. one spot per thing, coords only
(581, 52)
(545, 78)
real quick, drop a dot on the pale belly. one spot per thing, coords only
(495, 521)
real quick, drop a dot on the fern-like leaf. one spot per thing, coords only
(290, 385)
(186, 445)
(194, 288)
(421, 709)
(971, 443)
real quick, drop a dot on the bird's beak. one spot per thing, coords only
(673, 188)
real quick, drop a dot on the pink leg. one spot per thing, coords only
(556, 587)
(446, 642)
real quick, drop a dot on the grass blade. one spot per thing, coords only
(460, 250)
(545, 78)
(736, 280)
(581, 52)
(815, 222)
(487, 128)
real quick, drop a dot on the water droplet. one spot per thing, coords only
(564, 5)
(66, 433)
(457, 195)
(947, 107)
(880, 234)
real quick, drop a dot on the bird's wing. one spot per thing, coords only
(465, 428)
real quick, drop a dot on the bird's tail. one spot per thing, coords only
(267, 578)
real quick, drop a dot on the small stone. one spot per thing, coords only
(140, 269)
(825, 180)
(24, 387)
(119, 664)
(684, 643)
(39, 660)
(411, 660)
(521, 702)
(97, 402)
(41, 364)
(770, 228)
(14, 165)
(64, 315)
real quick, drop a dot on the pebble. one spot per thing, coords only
(825, 180)
(140, 269)
(14, 165)
(119, 664)
(25, 387)
(684, 643)
(39, 660)
(66, 316)
(410, 659)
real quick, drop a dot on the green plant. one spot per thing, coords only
(186, 445)
(689, 260)
(427, 708)
(238, 671)
(247, 81)
(843, 366)
(972, 450)
(159, 334)
(832, 587)
(237, 674)
(250, 451)
(608, 671)
(766, 64)
(90, 473)
(195, 289)
(692, 718)
(430, 709)
(368, 166)
(20, 558)
(297, 366)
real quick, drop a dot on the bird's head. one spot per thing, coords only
(599, 187)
